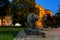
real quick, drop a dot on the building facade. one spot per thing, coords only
(7, 21)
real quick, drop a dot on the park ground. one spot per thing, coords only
(8, 33)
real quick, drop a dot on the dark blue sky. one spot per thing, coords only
(49, 4)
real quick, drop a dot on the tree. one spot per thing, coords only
(57, 17)
(21, 8)
(3, 7)
(48, 21)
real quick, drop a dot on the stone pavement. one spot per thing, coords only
(51, 34)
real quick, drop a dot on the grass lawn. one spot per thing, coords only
(8, 33)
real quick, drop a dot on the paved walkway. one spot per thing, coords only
(51, 34)
(19, 35)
